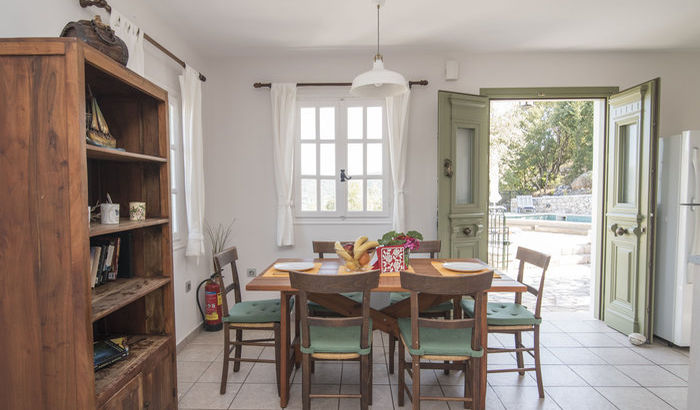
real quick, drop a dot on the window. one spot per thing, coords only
(177, 199)
(341, 135)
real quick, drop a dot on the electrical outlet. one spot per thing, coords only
(251, 272)
(188, 286)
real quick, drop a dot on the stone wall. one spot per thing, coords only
(560, 204)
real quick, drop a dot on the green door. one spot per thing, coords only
(463, 174)
(631, 146)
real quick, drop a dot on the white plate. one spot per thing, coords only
(297, 266)
(464, 266)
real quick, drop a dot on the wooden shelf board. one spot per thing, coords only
(110, 379)
(121, 156)
(114, 295)
(97, 229)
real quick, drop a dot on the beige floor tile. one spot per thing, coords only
(559, 375)
(378, 355)
(652, 376)
(546, 357)
(209, 338)
(558, 340)
(660, 354)
(595, 340)
(523, 398)
(637, 398)
(425, 404)
(381, 397)
(200, 352)
(206, 396)
(619, 355)
(213, 373)
(492, 400)
(579, 398)
(183, 388)
(576, 355)
(261, 396)
(603, 375)
(576, 326)
(675, 396)
(549, 327)
(318, 403)
(680, 370)
(325, 373)
(190, 371)
(380, 373)
(262, 373)
(510, 379)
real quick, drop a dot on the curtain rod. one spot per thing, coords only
(104, 5)
(268, 85)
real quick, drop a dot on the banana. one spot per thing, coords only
(352, 265)
(365, 247)
(359, 241)
(342, 252)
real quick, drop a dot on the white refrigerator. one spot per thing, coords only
(678, 235)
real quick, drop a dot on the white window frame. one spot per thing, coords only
(177, 173)
(341, 215)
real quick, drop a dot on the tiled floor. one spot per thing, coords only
(586, 365)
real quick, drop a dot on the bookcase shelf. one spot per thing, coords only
(142, 348)
(109, 154)
(97, 229)
(116, 294)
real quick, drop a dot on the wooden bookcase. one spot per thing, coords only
(49, 312)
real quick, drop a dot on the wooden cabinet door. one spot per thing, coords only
(463, 174)
(159, 384)
(130, 397)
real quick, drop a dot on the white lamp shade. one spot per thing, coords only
(379, 82)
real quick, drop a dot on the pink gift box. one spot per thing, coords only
(391, 258)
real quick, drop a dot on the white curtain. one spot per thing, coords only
(132, 36)
(397, 124)
(284, 97)
(191, 93)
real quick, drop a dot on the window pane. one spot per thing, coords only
(628, 163)
(172, 124)
(173, 209)
(354, 123)
(374, 122)
(327, 157)
(173, 175)
(355, 159)
(308, 159)
(374, 159)
(464, 168)
(308, 194)
(355, 189)
(374, 195)
(327, 123)
(308, 123)
(328, 195)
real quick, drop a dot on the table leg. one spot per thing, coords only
(284, 348)
(297, 333)
(482, 362)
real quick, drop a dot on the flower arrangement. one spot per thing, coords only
(409, 240)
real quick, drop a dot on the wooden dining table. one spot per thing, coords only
(383, 319)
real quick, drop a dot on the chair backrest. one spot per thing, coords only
(541, 260)
(221, 259)
(307, 283)
(429, 247)
(321, 247)
(464, 285)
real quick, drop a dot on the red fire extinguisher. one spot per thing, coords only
(213, 310)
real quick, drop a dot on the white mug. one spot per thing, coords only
(109, 213)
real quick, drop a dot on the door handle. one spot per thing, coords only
(447, 164)
(621, 231)
(467, 231)
(343, 176)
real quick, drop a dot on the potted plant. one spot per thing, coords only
(409, 240)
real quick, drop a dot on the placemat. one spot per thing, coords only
(272, 272)
(446, 272)
(343, 271)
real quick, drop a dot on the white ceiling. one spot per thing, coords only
(231, 27)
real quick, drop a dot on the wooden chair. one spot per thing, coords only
(346, 338)
(514, 318)
(252, 315)
(457, 342)
(443, 310)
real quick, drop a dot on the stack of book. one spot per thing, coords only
(106, 256)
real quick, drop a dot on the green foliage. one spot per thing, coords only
(552, 146)
(393, 238)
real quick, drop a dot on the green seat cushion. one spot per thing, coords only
(341, 339)
(355, 296)
(439, 342)
(443, 307)
(503, 314)
(255, 311)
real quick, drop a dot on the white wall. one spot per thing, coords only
(46, 18)
(238, 142)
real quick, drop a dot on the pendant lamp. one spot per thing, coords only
(378, 82)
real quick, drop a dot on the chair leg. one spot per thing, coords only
(306, 382)
(277, 355)
(538, 365)
(392, 349)
(371, 375)
(446, 371)
(364, 382)
(467, 381)
(416, 382)
(475, 384)
(519, 355)
(224, 368)
(239, 348)
(402, 374)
